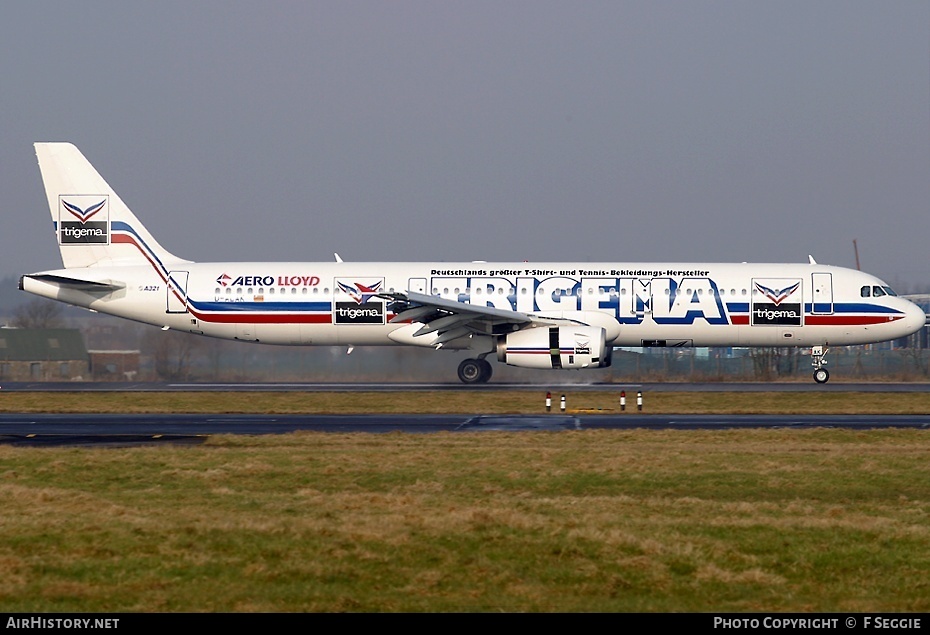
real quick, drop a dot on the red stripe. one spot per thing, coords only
(832, 320)
(127, 239)
(240, 317)
(849, 320)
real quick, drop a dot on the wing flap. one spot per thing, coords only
(450, 320)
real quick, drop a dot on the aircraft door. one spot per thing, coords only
(177, 291)
(822, 300)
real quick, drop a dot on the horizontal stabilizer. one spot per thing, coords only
(74, 283)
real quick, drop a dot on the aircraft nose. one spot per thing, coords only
(915, 318)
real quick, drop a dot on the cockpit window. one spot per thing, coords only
(877, 291)
(889, 291)
(866, 291)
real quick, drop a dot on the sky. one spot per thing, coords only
(617, 131)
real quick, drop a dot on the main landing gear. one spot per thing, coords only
(821, 374)
(475, 371)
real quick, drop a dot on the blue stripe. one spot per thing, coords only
(855, 307)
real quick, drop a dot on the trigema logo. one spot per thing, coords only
(84, 219)
(364, 309)
(776, 302)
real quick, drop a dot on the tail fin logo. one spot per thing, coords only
(83, 215)
(84, 219)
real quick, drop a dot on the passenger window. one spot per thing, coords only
(865, 291)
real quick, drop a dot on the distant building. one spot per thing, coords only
(42, 355)
(113, 365)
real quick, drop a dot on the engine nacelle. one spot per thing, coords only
(555, 347)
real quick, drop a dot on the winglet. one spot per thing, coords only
(811, 258)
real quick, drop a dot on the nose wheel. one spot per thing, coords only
(821, 374)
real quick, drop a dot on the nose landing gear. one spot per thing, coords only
(821, 374)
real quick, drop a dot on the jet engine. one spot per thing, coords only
(555, 347)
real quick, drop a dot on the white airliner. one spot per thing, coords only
(533, 315)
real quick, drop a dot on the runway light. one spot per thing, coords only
(548, 402)
(622, 400)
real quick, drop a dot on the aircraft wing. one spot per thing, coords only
(451, 319)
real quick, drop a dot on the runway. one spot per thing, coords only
(122, 429)
(808, 386)
(133, 429)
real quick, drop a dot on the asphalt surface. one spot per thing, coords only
(134, 429)
(807, 386)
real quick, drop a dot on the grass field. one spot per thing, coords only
(621, 521)
(484, 402)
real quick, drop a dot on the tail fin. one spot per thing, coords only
(93, 226)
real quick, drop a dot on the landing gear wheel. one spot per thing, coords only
(821, 375)
(471, 371)
(475, 371)
(486, 370)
